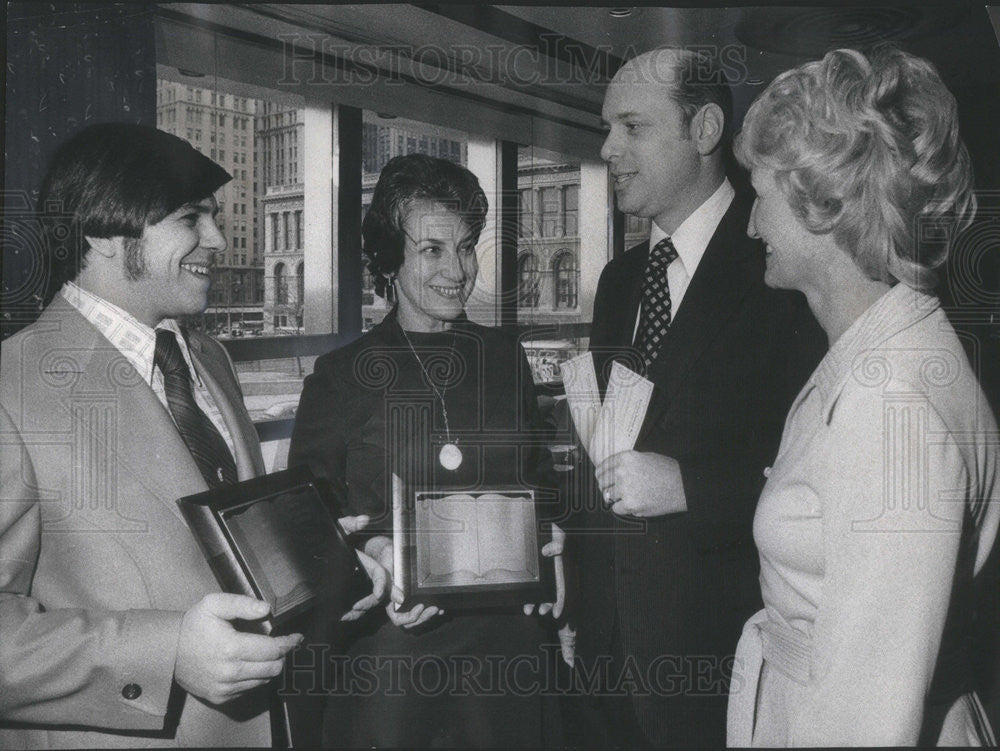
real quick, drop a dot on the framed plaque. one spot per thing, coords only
(460, 549)
(276, 539)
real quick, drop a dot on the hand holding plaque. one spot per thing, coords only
(274, 538)
(467, 549)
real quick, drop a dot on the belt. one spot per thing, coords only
(785, 649)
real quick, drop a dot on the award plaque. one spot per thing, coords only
(468, 549)
(274, 538)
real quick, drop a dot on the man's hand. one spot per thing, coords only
(641, 484)
(553, 549)
(380, 548)
(380, 586)
(215, 661)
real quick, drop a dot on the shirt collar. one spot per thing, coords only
(134, 339)
(898, 309)
(693, 235)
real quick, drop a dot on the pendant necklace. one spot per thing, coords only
(450, 455)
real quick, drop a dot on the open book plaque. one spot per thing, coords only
(468, 549)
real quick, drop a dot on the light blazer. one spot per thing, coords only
(678, 587)
(96, 564)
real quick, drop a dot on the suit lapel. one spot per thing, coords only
(627, 312)
(714, 295)
(612, 337)
(144, 443)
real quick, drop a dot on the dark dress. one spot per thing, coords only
(462, 679)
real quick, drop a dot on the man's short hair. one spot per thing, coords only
(696, 79)
(114, 179)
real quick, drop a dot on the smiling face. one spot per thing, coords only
(655, 163)
(792, 250)
(439, 267)
(168, 273)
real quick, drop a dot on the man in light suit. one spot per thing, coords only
(113, 631)
(669, 569)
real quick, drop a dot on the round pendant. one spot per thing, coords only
(450, 456)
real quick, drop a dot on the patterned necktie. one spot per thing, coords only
(203, 440)
(655, 301)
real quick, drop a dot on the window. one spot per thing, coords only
(298, 230)
(300, 284)
(525, 217)
(367, 292)
(280, 284)
(571, 201)
(527, 281)
(274, 231)
(566, 280)
(551, 223)
(288, 231)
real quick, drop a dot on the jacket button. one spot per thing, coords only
(132, 691)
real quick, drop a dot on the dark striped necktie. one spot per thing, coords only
(655, 318)
(203, 440)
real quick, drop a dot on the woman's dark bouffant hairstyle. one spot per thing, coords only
(405, 179)
(114, 179)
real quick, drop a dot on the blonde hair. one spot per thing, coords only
(867, 148)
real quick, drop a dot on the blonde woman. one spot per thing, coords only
(882, 504)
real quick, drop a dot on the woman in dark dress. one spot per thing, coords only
(441, 402)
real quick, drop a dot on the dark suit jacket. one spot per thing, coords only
(682, 585)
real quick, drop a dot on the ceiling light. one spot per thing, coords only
(620, 12)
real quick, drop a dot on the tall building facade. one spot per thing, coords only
(221, 126)
(548, 248)
(279, 130)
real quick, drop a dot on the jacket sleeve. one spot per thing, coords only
(69, 666)
(338, 435)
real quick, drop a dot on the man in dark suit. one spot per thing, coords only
(668, 565)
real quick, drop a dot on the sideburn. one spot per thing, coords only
(135, 259)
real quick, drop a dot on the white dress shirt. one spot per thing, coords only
(137, 343)
(691, 239)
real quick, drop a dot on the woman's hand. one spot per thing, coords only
(553, 549)
(378, 575)
(352, 524)
(409, 618)
(380, 548)
(380, 587)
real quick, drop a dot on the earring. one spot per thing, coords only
(390, 289)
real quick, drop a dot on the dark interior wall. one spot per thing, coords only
(68, 65)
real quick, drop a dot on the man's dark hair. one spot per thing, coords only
(403, 180)
(114, 179)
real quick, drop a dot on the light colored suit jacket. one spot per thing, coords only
(96, 564)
